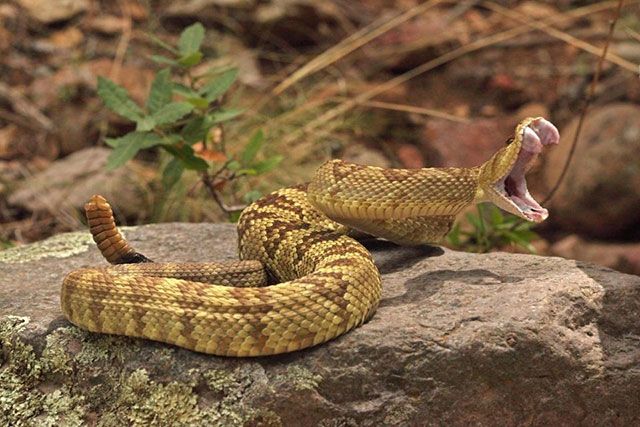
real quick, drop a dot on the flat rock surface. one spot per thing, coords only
(458, 339)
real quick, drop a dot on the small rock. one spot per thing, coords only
(410, 156)
(66, 185)
(361, 154)
(419, 39)
(623, 257)
(452, 144)
(47, 91)
(600, 194)
(49, 11)
(533, 109)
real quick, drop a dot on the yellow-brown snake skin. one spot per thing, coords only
(301, 279)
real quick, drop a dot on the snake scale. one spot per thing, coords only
(302, 279)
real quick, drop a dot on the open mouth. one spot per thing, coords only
(513, 187)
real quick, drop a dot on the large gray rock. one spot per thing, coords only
(458, 339)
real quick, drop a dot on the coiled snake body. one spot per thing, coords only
(302, 280)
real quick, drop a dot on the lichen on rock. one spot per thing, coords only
(301, 378)
(79, 375)
(59, 246)
(22, 399)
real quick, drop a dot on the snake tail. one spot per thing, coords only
(112, 244)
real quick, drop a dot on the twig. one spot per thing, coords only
(412, 109)
(26, 108)
(587, 103)
(633, 34)
(490, 40)
(210, 183)
(351, 43)
(546, 39)
(569, 39)
(123, 43)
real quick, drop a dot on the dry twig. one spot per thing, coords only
(561, 35)
(324, 119)
(587, 103)
(24, 107)
(351, 43)
(123, 43)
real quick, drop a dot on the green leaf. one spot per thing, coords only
(234, 165)
(268, 164)
(198, 102)
(161, 91)
(185, 154)
(161, 43)
(454, 235)
(252, 148)
(195, 130)
(191, 59)
(247, 171)
(224, 115)
(496, 216)
(473, 220)
(172, 173)
(171, 112)
(117, 99)
(139, 139)
(126, 147)
(513, 237)
(524, 225)
(172, 139)
(159, 59)
(252, 196)
(145, 124)
(234, 216)
(184, 90)
(216, 87)
(527, 235)
(191, 39)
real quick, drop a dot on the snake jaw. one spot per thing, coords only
(511, 189)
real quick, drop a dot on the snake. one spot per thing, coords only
(303, 276)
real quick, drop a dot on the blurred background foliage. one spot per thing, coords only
(273, 88)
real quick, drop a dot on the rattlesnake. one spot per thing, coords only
(302, 279)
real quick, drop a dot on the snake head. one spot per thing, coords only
(502, 178)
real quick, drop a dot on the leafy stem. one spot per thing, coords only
(184, 115)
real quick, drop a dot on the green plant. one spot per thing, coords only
(183, 115)
(489, 229)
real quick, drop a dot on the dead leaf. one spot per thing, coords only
(107, 24)
(209, 155)
(47, 11)
(67, 38)
(7, 137)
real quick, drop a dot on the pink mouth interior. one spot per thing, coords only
(538, 134)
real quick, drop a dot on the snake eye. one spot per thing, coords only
(508, 141)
